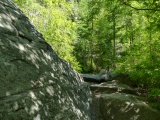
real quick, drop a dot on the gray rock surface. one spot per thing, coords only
(122, 106)
(115, 101)
(112, 87)
(35, 84)
(103, 76)
(110, 75)
(95, 78)
(92, 78)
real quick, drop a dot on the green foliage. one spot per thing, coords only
(122, 37)
(53, 19)
(154, 97)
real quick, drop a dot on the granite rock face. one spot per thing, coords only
(116, 101)
(35, 84)
(122, 106)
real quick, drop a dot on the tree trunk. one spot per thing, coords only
(114, 38)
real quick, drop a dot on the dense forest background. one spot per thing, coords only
(117, 35)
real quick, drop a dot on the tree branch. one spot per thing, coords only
(125, 3)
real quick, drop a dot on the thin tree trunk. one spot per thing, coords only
(91, 58)
(131, 41)
(150, 42)
(114, 38)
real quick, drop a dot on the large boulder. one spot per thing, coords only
(35, 84)
(121, 106)
(116, 101)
